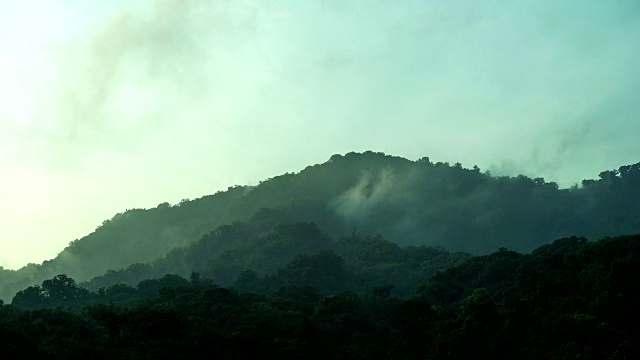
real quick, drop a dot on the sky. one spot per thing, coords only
(112, 105)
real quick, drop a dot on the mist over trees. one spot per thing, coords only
(364, 256)
(408, 202)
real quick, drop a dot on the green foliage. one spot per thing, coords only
(60, 291)
(419, 203)
(562, 299)
(569, 299)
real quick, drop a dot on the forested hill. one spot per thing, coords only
(571, 299)
(407, 202)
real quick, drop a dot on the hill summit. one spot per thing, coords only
(408, 202)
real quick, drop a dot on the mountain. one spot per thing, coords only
(408, 202)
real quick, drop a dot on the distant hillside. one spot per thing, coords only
(267, 252)
(408, 202)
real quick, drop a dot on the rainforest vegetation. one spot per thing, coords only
(568, 299)
(364, 256)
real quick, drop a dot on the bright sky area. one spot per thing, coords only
(112, 105)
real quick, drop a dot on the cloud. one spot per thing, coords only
(371, 190)
(162, 100)
(458, 76)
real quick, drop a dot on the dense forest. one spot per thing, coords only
(364, 256)
(566, 300)
(411, 203)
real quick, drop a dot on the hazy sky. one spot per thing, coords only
(112, 105)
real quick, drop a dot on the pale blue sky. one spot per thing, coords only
(112, 105)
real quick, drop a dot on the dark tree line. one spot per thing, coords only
(566, 300)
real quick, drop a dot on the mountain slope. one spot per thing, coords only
(408, 202)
